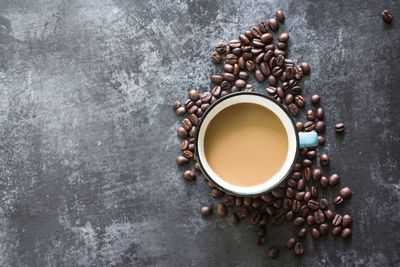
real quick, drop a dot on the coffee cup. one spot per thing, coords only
(231, 148)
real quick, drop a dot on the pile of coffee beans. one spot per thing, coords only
(262, 53)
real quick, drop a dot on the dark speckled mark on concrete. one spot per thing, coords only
(88, 143)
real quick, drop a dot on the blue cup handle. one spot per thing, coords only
(308, 139)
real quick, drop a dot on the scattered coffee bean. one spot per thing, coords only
(310, 115)
(280, 16)
(307, 163)
(289, 216)
(186, 124)
(307, 173)
(248, 201)
(216, 193)
(290, 243)
(337, 220)
(311, 155)
(323, 203)
(302, 232)
(264, 219)
(305, 67)
(278, 219)
(338, 200)
(346, 233)
(336, 230)
(267, 198)
(283, 37)
(347, 220)
(324, 229)
(300, 195)
(300, 101)
(210, 185)
(299, 125)
(321, 140)
(273, 252)
(313, 204)
(319, 217)
(314, 192)
(184, 144)
(216, 57)
(387, 16)
(315, 233)
(239, 201)
(307, 196)
(324, 182)
(189, 175)
(298, 249)
(293, 109)
(320, 114)
(180, 110)
(278, 193)
(259, 76)
(261, 231)
(315, 99)
(221, 209)
(220, 48)
(320, 126)
(176, 105)
(298, 221)
(324, 159)
(345, 192)
(309, 126)
(301, 184)
(273, 24)
(206, 211)
(339, 128)
(229, 200)
(316, 174)
(329, 215)
(234, 218)
(242, 213)
(334, 179)
(180, 160)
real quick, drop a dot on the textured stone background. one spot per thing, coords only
(88, 142)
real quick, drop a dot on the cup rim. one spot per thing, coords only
(209, 177)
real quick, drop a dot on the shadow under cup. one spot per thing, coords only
(292, 143)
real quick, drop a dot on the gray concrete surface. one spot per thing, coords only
(88, 143)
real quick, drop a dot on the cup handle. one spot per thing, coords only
(308, 139)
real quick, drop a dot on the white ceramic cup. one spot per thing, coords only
(295, 141)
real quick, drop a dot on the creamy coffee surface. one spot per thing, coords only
(246, 144)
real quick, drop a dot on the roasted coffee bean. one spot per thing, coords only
(265, 69)
(387, 16)
(235, 89)
(310, 115)
(242, 213)
(310, 220)
(278, 193)
(220, 48)
(338, 200)
(278, 52)
(313, 204)
(300, 101)
(189, 175)
(315, 233)
(261, 231)
(281, 17)
(243, 75)
(264, 219)
(314, 192)
(297, 167)
(228, 68)
(259, 58)
(186, 124)
(289, 215)
(321, 140)
(193, 119)
(302, 232)
(329, 215)
(234, 218)
(307, 163)
(176, 105)
(337, 220)
(216, 193)
(320, 126)
(346, 233)
(189, 103)
(244, 39)
(255, 31)
(323, 203)
(182, 133)
(336, 230)
(257, 42)
(205, 97)
(299, 73)
(301, 184)
(324, 159)
(217, 78)
(273, 24)
(345, 192)
(197, 167)
(270, 210)
(281, 45)
(242, 63)
(216, 91)
(234, 43)
(311, 155)
(278, 219)
(229, 76)
(334, 179)
(315, 99)
(290, 243)
(184, 144)
(307, 173)
(307, 196)
(293, 109)
(347, 220)
(180, 110)
(224, 93)
(216, 57)
(255, 217)
(191, 148)
(267, 198)
(180, 160)
(210, 185)
(324, 229)
(273, 252)
(259, 76)
(229, 200)
(280, 92)
(231, 59)
(339, 128)
(283, 37)
(296, 205)
(272, 80)
(248, 201)
(290, 192)
(319, 217)
(240, 84)
(263, 26)
(300, 195)
(304, 211)
(250, 66)
(298, 249)
(192, 132)
(206, 211)
(276, 71)
(257, 203)
(287, 204)
(239, 201)
(305, 67)
(299, 125)
(199, 113)
(261, 241)
(269, 55)
(280, 61)
(221, 209)
(193, 109)
(303, 151)
(187, 154)
(320, 114)
(298, 221)
(309, 126)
